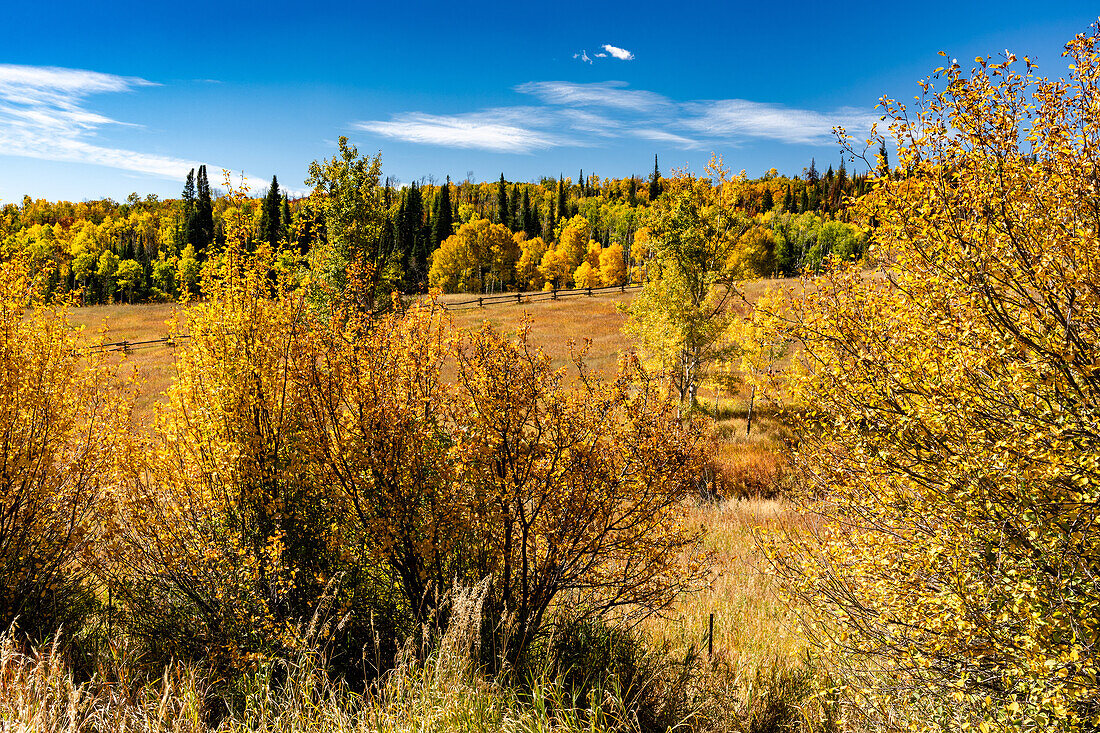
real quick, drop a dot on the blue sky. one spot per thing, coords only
(105, 99)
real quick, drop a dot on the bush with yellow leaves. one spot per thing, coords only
(950, 440)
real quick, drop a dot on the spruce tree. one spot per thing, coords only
(769, 200)
(632, 191)
(270, 215)
(204, 215)
(189, 207)
(580, 182)
(442, 221)
(811, 173)
(561, 198)
(530, 223)
(502, 203)
(513, 209)
(655, 181)
(285, 234)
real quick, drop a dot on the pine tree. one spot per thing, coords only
(788, 199)
(443, 220)
(632, 191)
(502, 203)
(285, 234)
(811, 173)
(769, 200)
(204, 215)
(270, 215)
(561, 198)
(513, 209)
(580, 182)
(410, 219)
(189, 207)
(529, 222)
(655, 181)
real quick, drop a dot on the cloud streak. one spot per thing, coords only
(492, 130)
(571, 114)
(42, 115)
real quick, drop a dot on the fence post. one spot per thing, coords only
(479, 303)
(710, 636)
(554, 294)
(519, 298)
(589, 291)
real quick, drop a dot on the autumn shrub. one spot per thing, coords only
(949, 437)
(222, 546)
(60, 417)
(559, 493)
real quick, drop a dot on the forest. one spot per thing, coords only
(833, 465)
(465, 237)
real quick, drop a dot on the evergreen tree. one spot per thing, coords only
(443, 220)
(769, 200)
(189, 207)
(883, 161)
(561, 211)
(632, 191)
(270, 215)
(655, 181)
(529, 222)
(788, 199)
(513, 209)
(410, 219)
(285, 234)
(811, 173)
(204, 215)
(502, 203)
(580, 182)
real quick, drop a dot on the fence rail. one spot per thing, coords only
(481, 301)
(534, 296)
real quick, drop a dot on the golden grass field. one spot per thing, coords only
(752, 628)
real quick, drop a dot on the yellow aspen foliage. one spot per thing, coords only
(478, 256)
(613, 265)
(573, 238)
(586, 276)
(555, 268)
(949, 437)
(62, 418)
(528, 275)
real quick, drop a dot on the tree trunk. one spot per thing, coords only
(748, 422)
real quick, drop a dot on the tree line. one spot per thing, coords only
(510, 235)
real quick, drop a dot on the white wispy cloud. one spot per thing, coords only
(42, 115)
(727, 118)
(620, 53)
(596, 114)
(663, 136)
(596, 94)
(499, 131)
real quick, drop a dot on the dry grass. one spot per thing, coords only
(152, 365)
